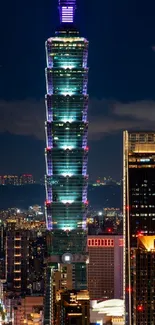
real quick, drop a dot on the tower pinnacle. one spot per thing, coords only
(67, 11)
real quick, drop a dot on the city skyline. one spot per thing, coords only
(90, 254)
(121, 80)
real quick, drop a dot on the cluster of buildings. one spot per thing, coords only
(22, 258)
(16, 179)
(33, 213)
(25, 252)
(106, 181)
(63, 274)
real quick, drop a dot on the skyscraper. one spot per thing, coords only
(105, 266)
(144, 281)
(139, 221)
(25, 250)
(66, 145)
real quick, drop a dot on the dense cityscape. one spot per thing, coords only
(78, 249)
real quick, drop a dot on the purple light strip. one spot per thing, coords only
(67, 14)
(67, 10)
(49, 168)
(49, 223)
(84, 168)
(49, 194)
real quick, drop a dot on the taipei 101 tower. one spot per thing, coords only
(66, 153)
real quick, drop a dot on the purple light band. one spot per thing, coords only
(67, 14)
(67, 10)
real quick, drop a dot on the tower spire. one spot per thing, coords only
(67, 11)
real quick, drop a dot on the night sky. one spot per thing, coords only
(121, 79)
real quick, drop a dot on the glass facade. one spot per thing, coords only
(139, 212)
(66, 130)
(144, 283)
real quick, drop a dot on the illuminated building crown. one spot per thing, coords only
(67, 11)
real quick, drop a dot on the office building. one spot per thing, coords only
(139, 211)
(25, 252)
(27, 310)
(105, 268)
(37, 256)
(17, 258)
(144, 281)
(72, 307)
(66, 146)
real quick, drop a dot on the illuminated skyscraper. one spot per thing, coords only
(139, 213)
(66, 151)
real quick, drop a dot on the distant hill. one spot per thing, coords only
(26, 195)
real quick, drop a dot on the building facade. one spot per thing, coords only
(139, 213)
(144, 281)
(17, 258)
(28, 311)
(25, 252)
(72, 307)
(105, 268)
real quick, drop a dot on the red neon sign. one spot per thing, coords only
(100, 242)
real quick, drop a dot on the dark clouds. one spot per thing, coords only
(121, 64)
(23, 117)
(26, 117)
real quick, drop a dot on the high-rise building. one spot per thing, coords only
(72, 307)
(144, 281)
(17, 258)
(139, 217)
(66, 145)
(105, 268)
(25, 252)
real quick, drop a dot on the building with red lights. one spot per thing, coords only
(26, 179)
(105, 268)
(139, 222)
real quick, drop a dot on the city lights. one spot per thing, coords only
(140, 308)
